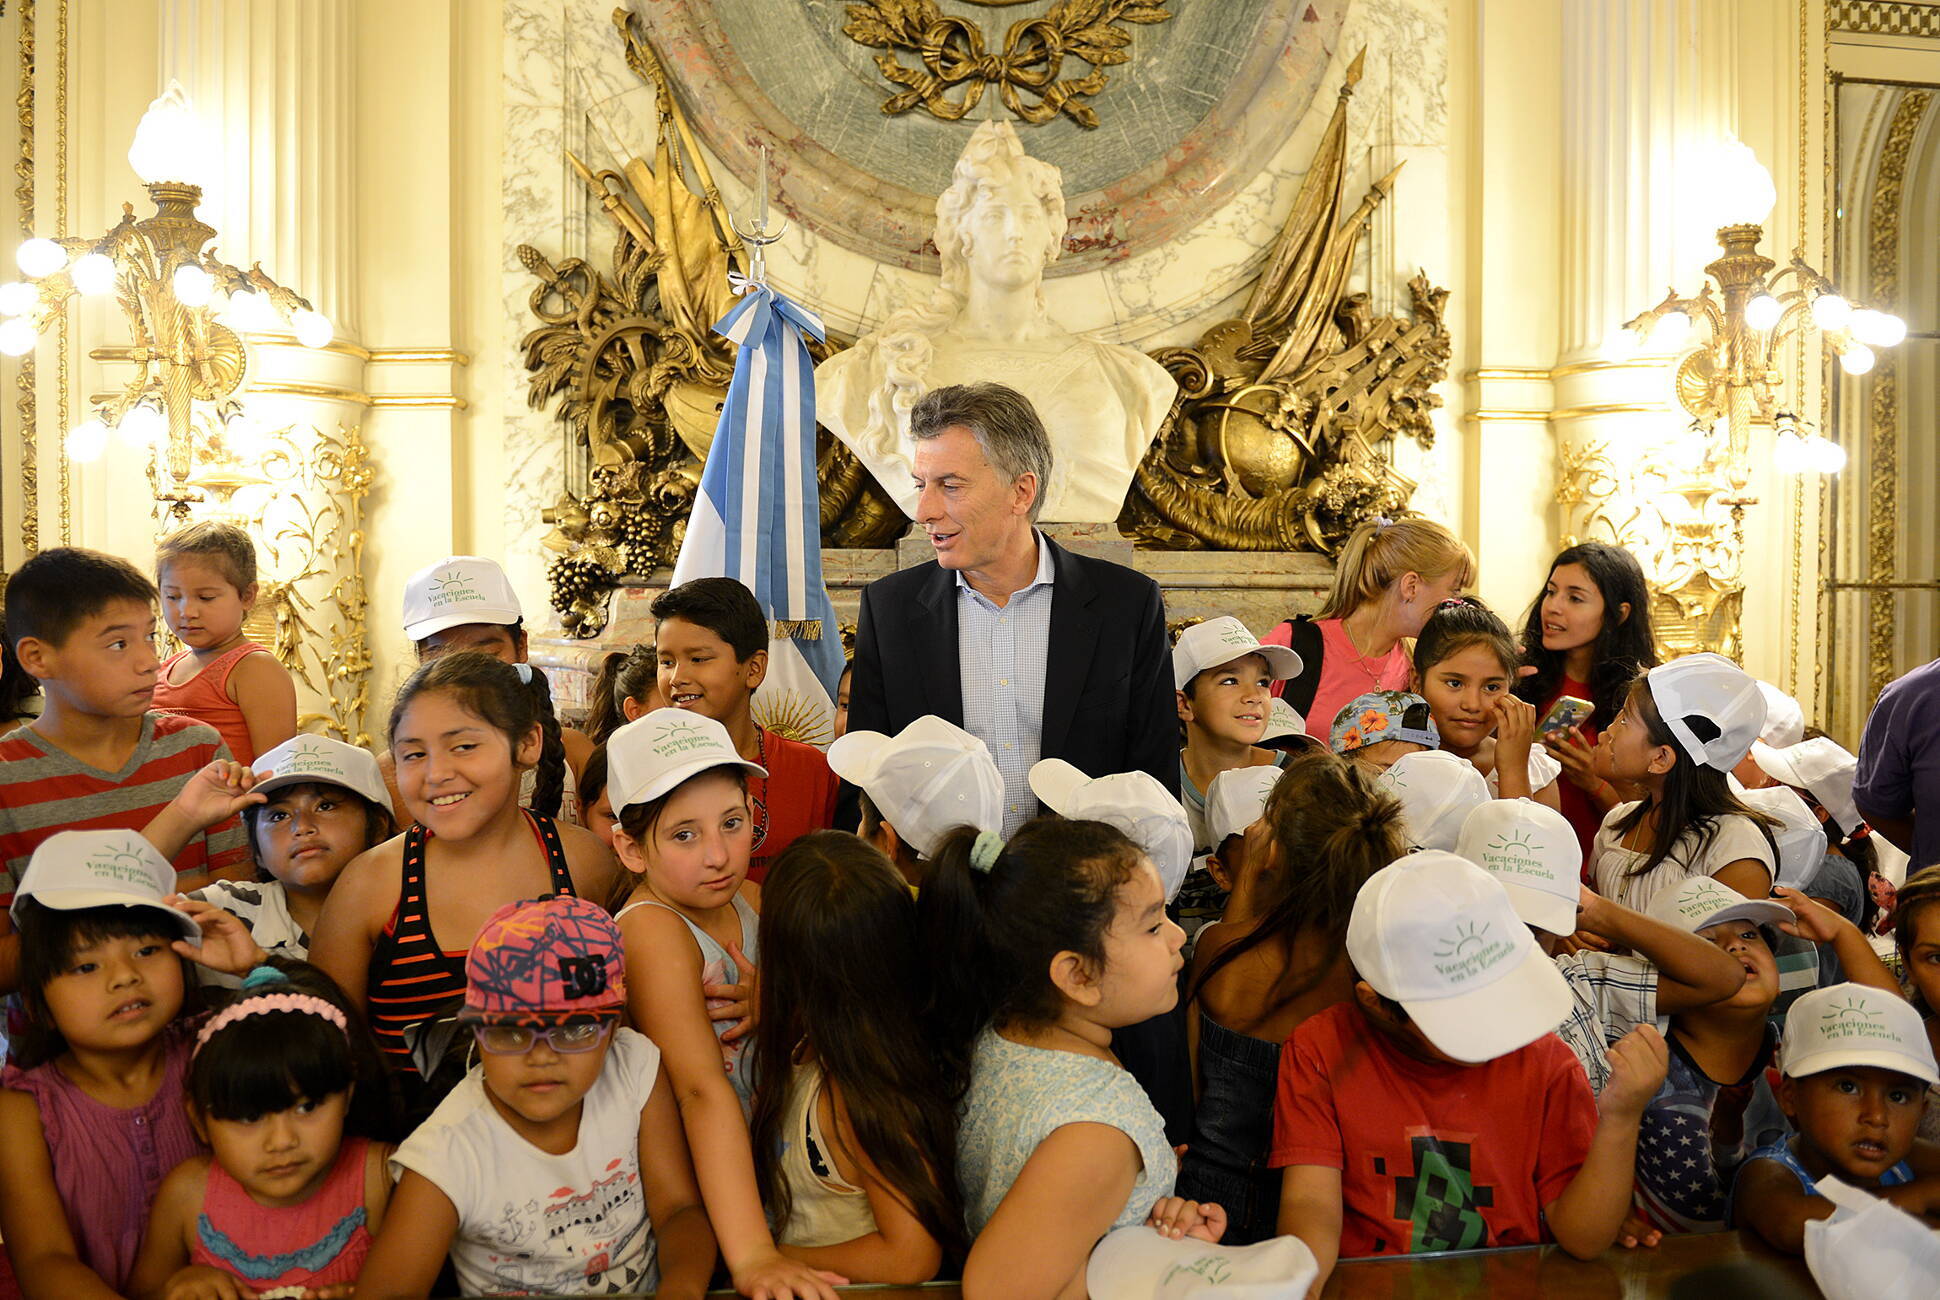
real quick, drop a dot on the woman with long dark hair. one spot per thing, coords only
(1588, 636)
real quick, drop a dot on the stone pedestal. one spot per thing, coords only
(1259, 587)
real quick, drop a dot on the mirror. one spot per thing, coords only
(1882, 576)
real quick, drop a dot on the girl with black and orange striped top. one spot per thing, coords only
(396, 928)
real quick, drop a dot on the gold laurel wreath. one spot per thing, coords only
(954, 54)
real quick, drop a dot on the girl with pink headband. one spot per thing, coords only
(286, 1089)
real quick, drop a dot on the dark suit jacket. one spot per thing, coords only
(1108, 696)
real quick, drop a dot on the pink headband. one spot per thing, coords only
(305, 1003)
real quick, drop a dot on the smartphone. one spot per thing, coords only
(1567, 712)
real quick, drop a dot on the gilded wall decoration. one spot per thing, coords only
(1279, 440)
(300, 496)
(953, 56)
(1203, 106)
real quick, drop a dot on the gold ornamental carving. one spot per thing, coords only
(954, 63)
(1883, 432)
(1280, 439)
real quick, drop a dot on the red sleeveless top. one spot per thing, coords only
(205, 697)
(320, 1242)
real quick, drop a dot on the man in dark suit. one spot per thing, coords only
(1038, 652)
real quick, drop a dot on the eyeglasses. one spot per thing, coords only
(515, 1040)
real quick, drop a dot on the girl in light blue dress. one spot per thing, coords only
(1043, 946)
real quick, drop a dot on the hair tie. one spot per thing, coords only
(1382, 521)
(984, 852)
(524, 671)
(262, 975)
(1453, 602)
(305, 1003)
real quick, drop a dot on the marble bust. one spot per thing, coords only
(1000, 223)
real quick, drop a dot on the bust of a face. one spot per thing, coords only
(1007, 235)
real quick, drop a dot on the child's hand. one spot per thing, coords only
(335, 1291)
(737, 1002)
(227, 944)
(199, 1282)
(1816, 921)
(1577, 755)
(1515, 726)
(777, 1277)
(1920, 1198)
(1635, 1232)
(1638, 1062)
(1176, 1217)
(216, 793)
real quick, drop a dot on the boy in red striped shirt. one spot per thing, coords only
(83, 624)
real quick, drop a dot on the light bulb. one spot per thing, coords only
(1788, 453)
(171, 143)
(1857, 359)
(1742, 190)
(1876, 328)
(312, 328)
(1672, 332)
(38, 257)
(18, 336)
(1828, 457)
(192, 285)
(17, 299)
(142, 425)
(87, 440)
(1831, 313)
(92, 273)
(1762, 312)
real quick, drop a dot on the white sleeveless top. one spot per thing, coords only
(717, 967)
(824, 1209)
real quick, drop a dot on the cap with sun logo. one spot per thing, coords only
(1534, 852)
(71, 870)
(1438, 934)
(1855, 1025)
(455, 591)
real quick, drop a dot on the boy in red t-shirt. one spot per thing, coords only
(712, 646)
(1438, 1111)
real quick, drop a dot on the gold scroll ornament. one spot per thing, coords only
(953, 57)
(1279, 439)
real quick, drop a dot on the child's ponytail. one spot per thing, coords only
(1333, 826)
(993, 915)
(549, 783)
(624, 675)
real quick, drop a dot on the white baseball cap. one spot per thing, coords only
(1852, 1024)
(1533, 851)
(1220, 641)
(1282, 720)
(1821, 765)
(304, 758)
(1439, 935)
(657, 751)
(927, 779)
(1699, 902)
(1134, 802)
(71, 870)
(1438, 790)
(1713, 688)
(458, 590)
(1800, 835)
(1784, 719)
(1237, 798)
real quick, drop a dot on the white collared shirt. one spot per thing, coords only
(1001, 655)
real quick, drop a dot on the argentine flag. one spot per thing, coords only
(757, 516)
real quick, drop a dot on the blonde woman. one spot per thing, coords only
(1392, 575)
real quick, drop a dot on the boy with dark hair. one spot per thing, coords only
(82, 624)
(712, 645)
